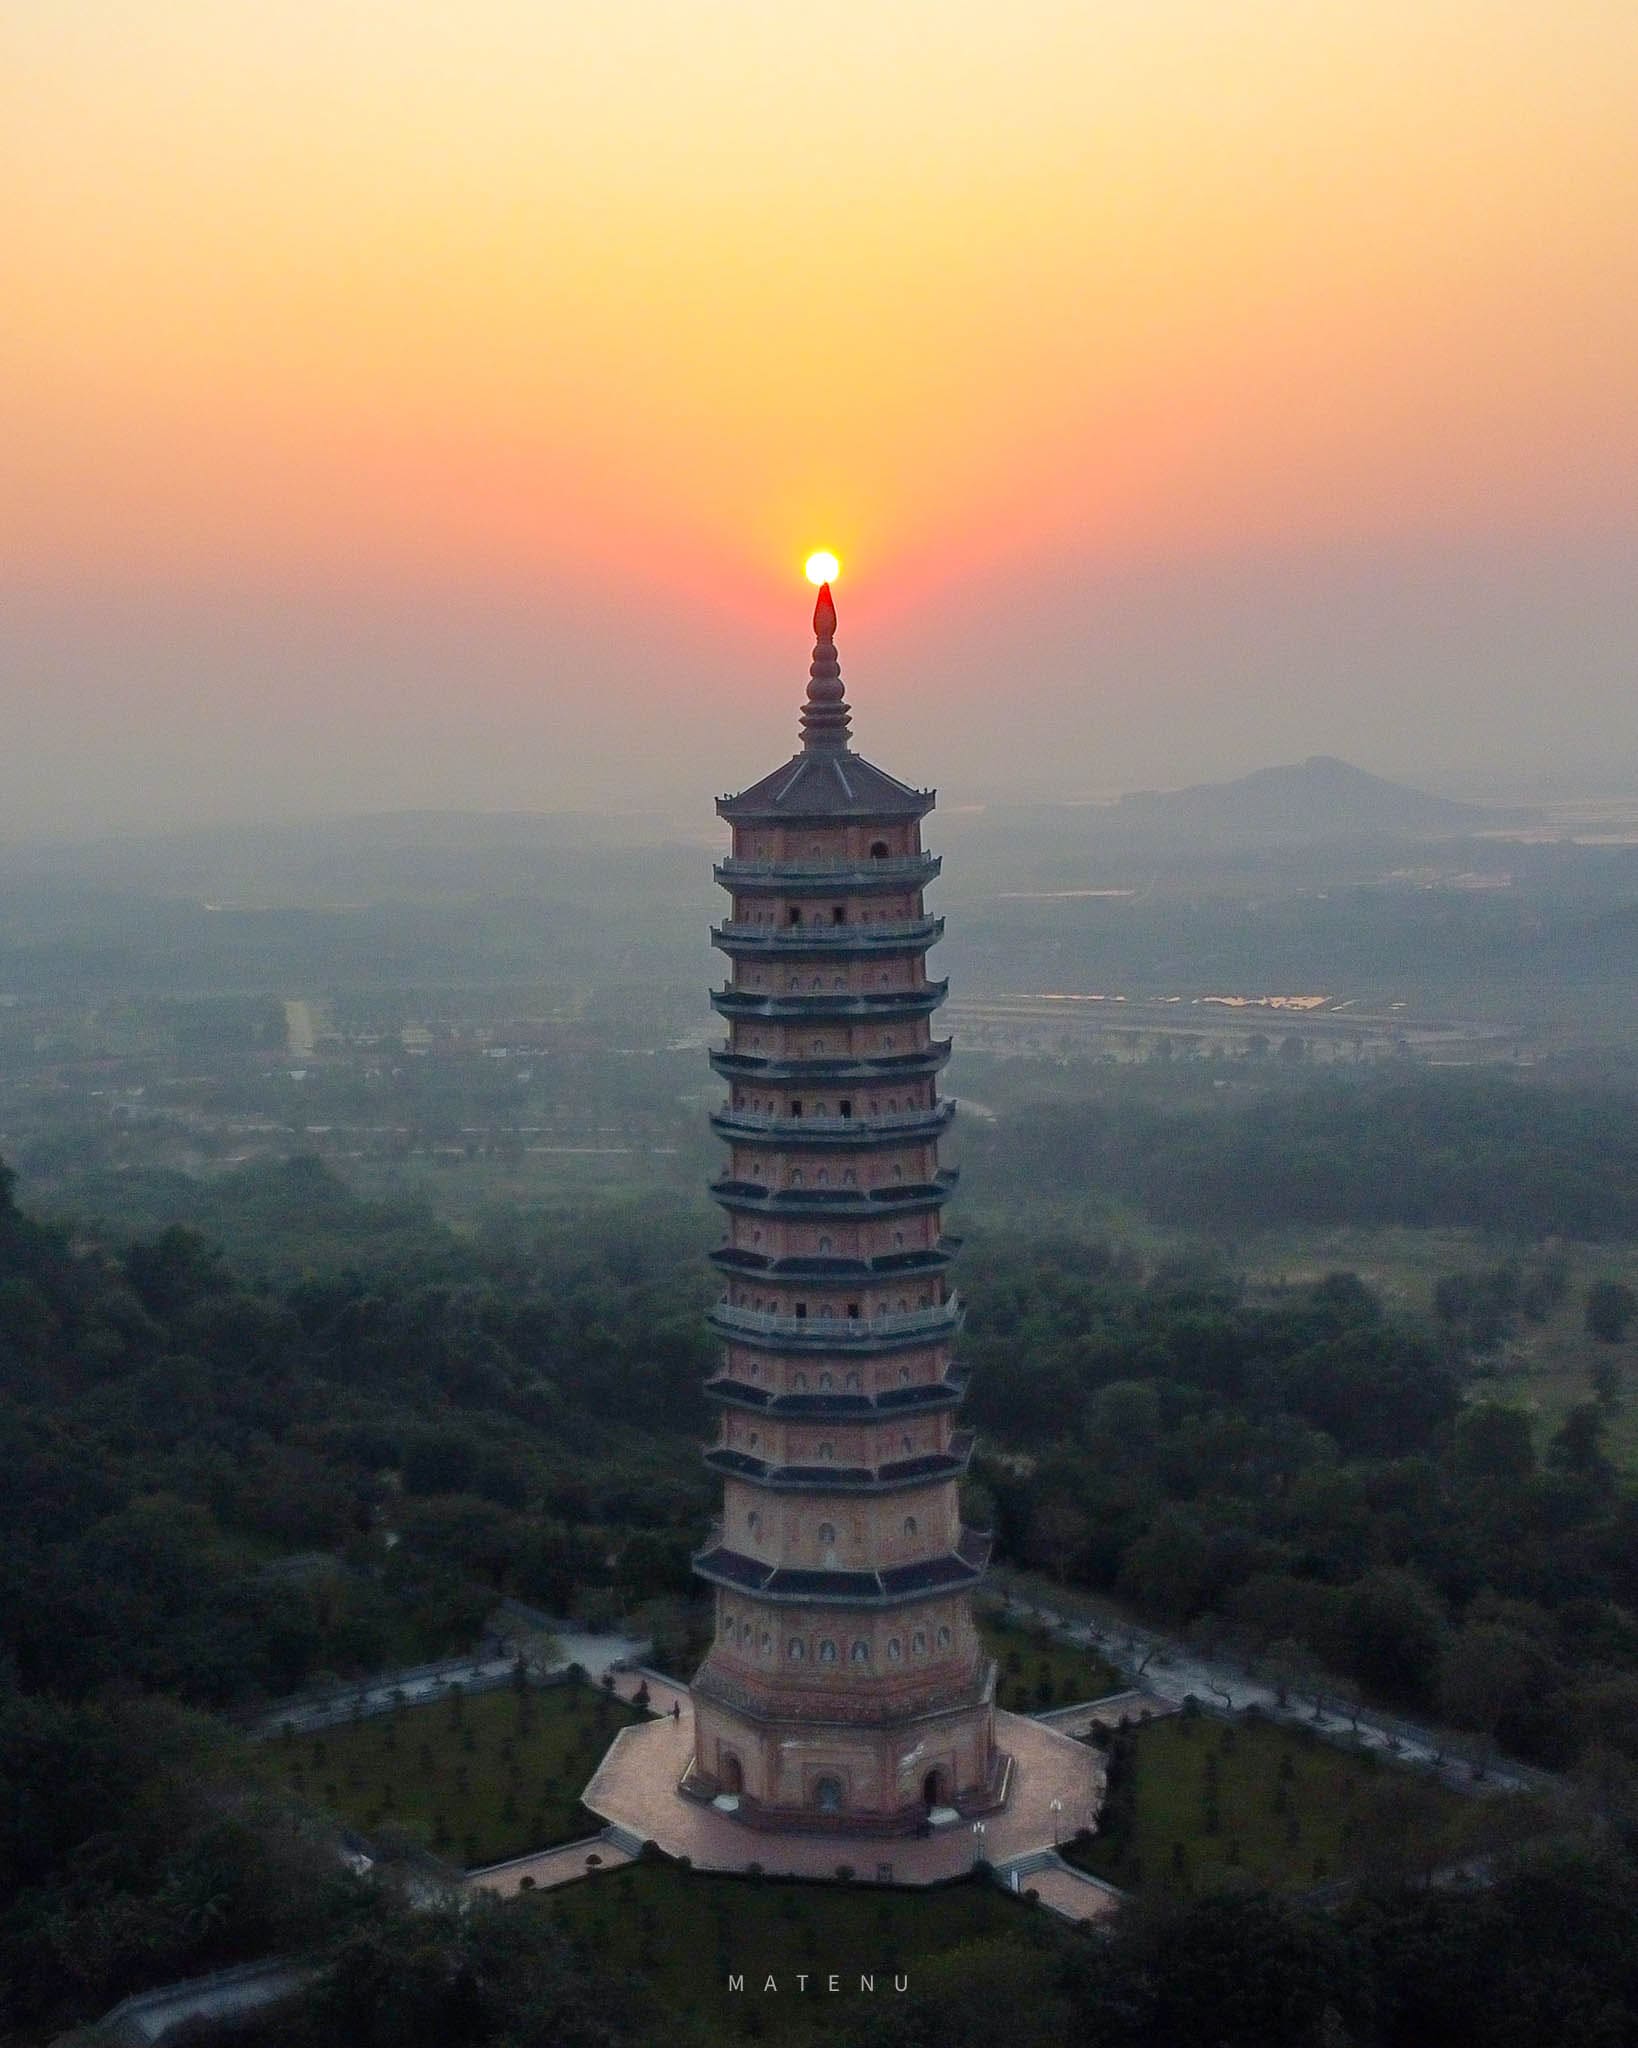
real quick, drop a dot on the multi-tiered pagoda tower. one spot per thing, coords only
(847, 1687)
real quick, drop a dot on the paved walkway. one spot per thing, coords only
(1172, 1670)
(419, 1683)
(227, 1995)
(663, 1693)
(566, 1864)
(635, 1787)
(1109, 1712)
(1071, 1893)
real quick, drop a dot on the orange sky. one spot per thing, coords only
(607, 314)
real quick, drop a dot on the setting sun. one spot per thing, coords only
(822, 567)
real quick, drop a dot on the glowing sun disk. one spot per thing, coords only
(822, 567)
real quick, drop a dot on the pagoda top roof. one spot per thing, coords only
(826, 779)
(827, 784)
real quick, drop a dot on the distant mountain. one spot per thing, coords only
(1317, 799)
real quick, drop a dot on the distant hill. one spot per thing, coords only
(1320, 798)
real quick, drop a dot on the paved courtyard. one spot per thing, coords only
(635, 1788)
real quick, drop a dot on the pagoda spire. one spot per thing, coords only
(825, 714)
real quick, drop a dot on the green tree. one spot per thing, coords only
(1611, 1305)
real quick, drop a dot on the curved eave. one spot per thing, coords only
(955, 1571)
(909, 1330)
(777, 878)
(891, 1477)
(730, 1258)
(837, 1007)
(892, 1066)
(826, 941)
(855, 1133)
(885, 1406)
(802, 1205)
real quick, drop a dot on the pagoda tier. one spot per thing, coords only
(847, 1687)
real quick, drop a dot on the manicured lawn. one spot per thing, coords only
(1036, 1672)
(685, 1933)
(1195, 1802)
(475, 1780)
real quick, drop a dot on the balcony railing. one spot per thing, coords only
(943, 1316)
(731, 1121)
(733, 868)
(801, 1004)
(810, 1069)
(809, 938)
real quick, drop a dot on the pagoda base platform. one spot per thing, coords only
(638, 1787)
(787, 1820)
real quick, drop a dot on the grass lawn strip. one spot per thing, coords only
(1036, 1672)
(1196, 1802)
(475, 1779)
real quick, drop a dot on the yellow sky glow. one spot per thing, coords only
(653, 294)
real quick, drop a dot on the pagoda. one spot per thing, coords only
(846, 1688)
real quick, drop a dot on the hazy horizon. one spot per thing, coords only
(436, 414)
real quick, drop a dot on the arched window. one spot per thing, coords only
(795, 1649)
(861, 1652)
(827, 1652)
(852, 1383)
(918, 1643)
(905, 1445)
(824, 1382)
(796, 1176)
(827, 1533)
(909, 1525)
(821, 1177)
(827, 1452)
(895, 1649)
(767, 1643)
(801, 1383)
(878, 849)
(824, 1244)
(944, 1638)
(753, 1521)
(849, 1178)
(904, 1375)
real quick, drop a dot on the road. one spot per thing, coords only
(1172, 1670)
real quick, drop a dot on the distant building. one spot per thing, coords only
(847, 1687)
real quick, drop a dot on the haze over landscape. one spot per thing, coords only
(643, 1375)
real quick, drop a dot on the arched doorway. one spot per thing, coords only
(935, 1789)
(728, 1770)
(827, 1795)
